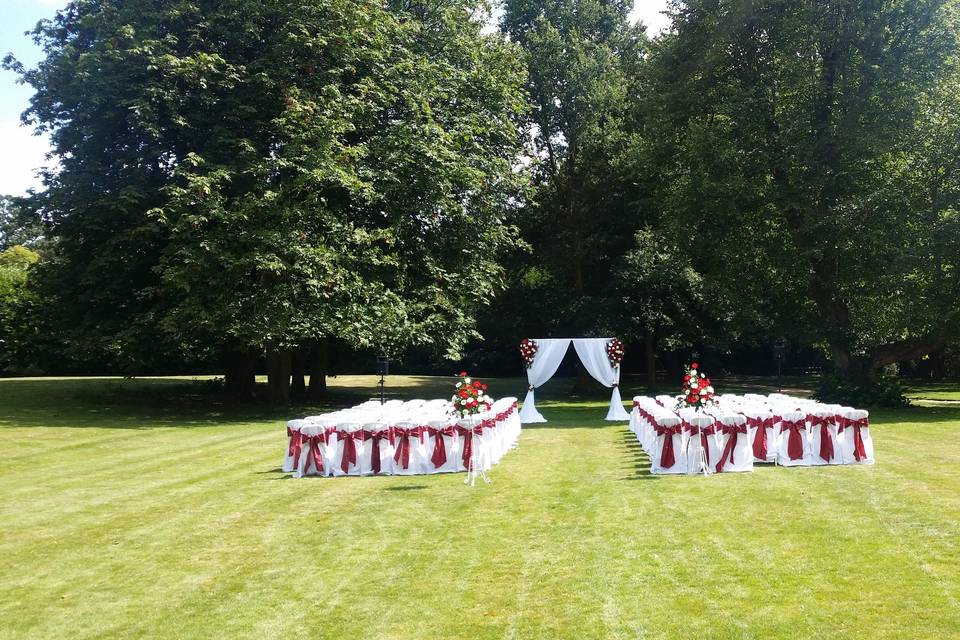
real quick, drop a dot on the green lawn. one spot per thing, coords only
(144, 508)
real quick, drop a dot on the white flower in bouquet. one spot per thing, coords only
(467, 380)
(709, 389)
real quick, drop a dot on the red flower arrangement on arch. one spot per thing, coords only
(470, 396)
(528, 351)
(697, 389)
(615, 352)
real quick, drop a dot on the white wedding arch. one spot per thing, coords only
(593, 355)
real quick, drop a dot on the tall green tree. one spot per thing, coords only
(265, 175)
(810, 169)
(583, 61)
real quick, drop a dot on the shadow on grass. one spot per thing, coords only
(151, 403)
(407, 487)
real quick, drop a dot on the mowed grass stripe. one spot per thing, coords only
(572, 539)
(84, 483)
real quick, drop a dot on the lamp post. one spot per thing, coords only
(779, 354)
(383, 368)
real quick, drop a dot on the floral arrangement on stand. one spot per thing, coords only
(697, 389)
(470, 397)
(615, 352)
(528, 350)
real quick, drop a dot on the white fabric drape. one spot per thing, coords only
(593, 355)
(550, 352)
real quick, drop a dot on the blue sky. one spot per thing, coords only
(21, 152)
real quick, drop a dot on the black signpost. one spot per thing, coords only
(779, 354)
(383, 368)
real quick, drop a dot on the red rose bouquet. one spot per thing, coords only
(470, 397)
(615, 352)
(697, 390)
(528, 349)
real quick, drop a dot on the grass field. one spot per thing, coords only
(145, 508)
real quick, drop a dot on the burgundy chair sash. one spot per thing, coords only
(733, 432)
(316, 454)
(667, 456)
(859, 448)
(760, 441)
(826, 442)
(439, 456)
(296, 446)
(466, 455)
(795, 439)
(402, 437)
(375, 437)
(694, 430)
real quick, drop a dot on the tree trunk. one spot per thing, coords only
(278, 375)
(239, 371)
(319, 363)
(650, 353)
(298, 369)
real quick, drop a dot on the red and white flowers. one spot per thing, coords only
(697, 390)
(528, 350)
(615, 352)
(470, 397)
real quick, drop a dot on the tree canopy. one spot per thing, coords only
(244, 177)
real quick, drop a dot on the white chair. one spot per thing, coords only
(793, 447)
(294, 446)
(376, 457)
(443, 446)
(701, 444)
(410, 457)
(762, 425)
(344, 450)
(824, 422)
(669, 451)
(471, 445)
(315, 457)
(856, 444)
(736, 454)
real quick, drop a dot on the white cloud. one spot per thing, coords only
(649, 12)
(21, 154)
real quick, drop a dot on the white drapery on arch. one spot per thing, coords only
(592, 353)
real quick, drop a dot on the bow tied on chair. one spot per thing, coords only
(702, 433)
(402, 454)
(795, 437)
(439, 456)
(859, 448)
(375, 437)
(295, 447)
(667, 456)
(733, 431)
(315, 452)
(349, 456)
(826, 442)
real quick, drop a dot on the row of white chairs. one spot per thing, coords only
(739, 431)
(400, 438)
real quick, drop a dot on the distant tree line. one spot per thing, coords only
(292, 187)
